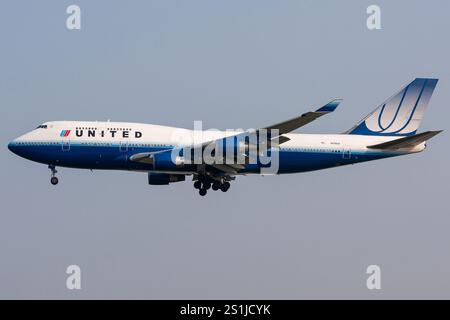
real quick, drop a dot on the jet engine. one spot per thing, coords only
(156, 178)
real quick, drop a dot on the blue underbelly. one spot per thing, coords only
(112, 157)
(299, 161)
(87, 157)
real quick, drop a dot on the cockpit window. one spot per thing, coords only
(42, 126)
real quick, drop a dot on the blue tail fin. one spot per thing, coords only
(401, 114)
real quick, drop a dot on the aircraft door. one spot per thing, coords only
(65, 145)
(346, 152)
(123, 147)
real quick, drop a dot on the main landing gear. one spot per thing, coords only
(203, 184)
(54, 179)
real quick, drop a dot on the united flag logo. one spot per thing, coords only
(64, 133)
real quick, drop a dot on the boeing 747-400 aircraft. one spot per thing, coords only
(214, 158)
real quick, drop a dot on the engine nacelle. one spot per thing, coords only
(164, 161)
(164, 178)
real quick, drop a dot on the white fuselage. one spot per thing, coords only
(108, 145)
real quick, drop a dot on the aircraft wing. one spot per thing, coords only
(282, 127)
(294, 123)
(304, 119)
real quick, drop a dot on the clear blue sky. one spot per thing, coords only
(232, 64)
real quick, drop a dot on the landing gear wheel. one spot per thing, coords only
(216, 185)
(202, 192)
(197, 184)
(53, 180)
(207, 185)
(225, 186)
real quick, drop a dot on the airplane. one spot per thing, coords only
(165, 153)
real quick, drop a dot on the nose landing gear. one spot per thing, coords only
(54, 179)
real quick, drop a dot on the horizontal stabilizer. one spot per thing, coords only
(406, 142)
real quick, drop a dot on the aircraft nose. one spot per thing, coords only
(12, 146)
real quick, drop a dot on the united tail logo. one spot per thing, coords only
(402, 113)
(64, 133)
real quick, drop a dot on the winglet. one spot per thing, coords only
(330, 106)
